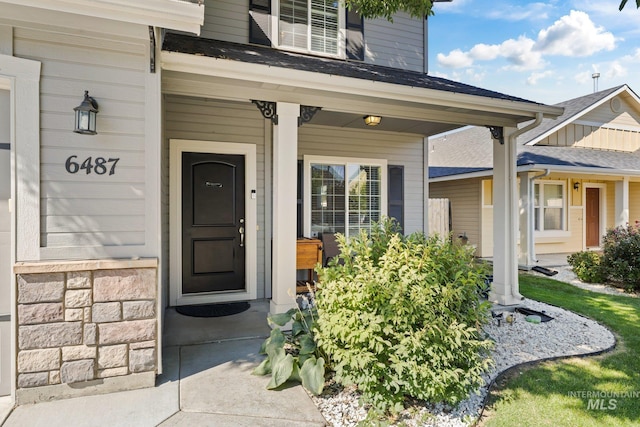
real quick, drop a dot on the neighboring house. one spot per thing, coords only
(213, 153)
(578, 176)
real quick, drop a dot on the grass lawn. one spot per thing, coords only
(549, 394)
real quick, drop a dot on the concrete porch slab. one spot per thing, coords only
(216, 379)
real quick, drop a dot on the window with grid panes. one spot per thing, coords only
(311, 25)
(346, 197)
(549, 206)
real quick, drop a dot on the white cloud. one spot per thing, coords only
(474, 76)
(520, 54)
(633, 57)
(485, 52)
(574, 35)
(533, 79)
(511, 12)
(455, 59)
(456, 6)
(583, 77)
(616, 69)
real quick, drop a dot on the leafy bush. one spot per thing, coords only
(621, 258)
(293, 356)
(587, 266)
(400, 317)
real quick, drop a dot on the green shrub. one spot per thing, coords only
(621, 258)
(400, 317)
(587, 266)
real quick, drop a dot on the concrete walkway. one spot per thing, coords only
(207, 381)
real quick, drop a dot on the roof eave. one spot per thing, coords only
(232, 69)
(171, 14)
(540, 167)
(581, 113)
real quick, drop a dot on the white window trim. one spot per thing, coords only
(306, 200)
(565, 223)
(23, 78)
(342, 33)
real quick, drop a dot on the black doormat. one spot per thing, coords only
(213, 310)
(545, 271)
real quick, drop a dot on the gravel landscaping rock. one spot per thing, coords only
(519, 342)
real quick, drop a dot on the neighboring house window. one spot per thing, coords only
(345, 195)
(549, 206)
(311, 25)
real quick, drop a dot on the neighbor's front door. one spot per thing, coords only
(213, 223)
(592, 238)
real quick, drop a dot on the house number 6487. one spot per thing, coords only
(99, 165)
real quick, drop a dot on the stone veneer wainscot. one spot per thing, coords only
(85, 327)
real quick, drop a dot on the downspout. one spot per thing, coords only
(531, 249)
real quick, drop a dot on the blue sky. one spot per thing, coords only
(544, 51)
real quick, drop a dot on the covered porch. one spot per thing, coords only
(299, 111)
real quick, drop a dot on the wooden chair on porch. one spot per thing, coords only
(309, 253)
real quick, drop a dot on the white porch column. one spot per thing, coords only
(285, 169)
(526, 252)
(505, 288)
(622, 202)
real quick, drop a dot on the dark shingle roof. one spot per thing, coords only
(571, 108)
(277, 58)
(471, 150)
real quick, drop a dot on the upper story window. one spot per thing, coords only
(311, 25)
(549, 206)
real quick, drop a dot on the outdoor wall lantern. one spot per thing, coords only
(372, 120)
(86, 115)
(576, 185)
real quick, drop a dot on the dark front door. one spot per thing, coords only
(593, 217)
(213, 255)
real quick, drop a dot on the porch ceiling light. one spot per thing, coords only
(372, 120)
(86, 115)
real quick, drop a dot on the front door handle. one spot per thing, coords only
(241, 231)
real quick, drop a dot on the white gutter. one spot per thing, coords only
(580, 169)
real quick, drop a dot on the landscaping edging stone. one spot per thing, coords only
(512, 350)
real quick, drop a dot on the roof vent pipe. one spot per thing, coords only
(595, 77)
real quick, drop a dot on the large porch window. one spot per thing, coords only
(549, 206)
(344, 195)
(311, 25)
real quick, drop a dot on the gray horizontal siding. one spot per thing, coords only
(219, 121)
(226, 20)
(399, 44)
(90, 210)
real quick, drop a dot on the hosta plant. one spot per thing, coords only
(293, 356)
